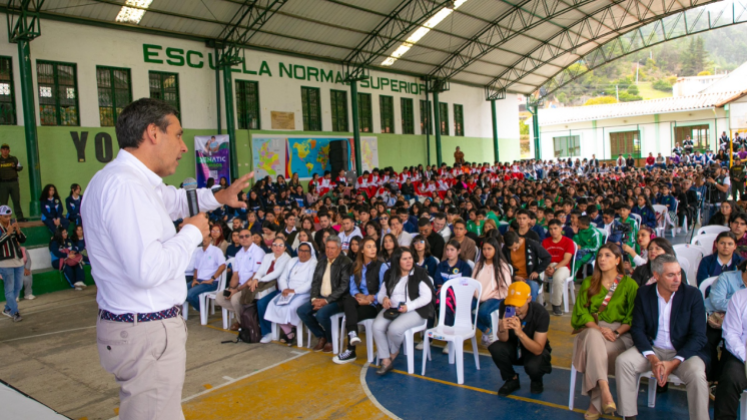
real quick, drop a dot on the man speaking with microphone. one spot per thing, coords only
(138, 259)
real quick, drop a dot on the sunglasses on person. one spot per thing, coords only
(245, 236)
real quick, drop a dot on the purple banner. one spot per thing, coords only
(212, 159)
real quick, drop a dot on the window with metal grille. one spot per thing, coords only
(567, 146)
(247, 104)
(115, 93)
(443, 114)
(408, 119)
(698, 134)
(426, 124)
(58, 93)
(458, 120)
(365, 120)
(386, 109)
(312, 110)
(625, 143)
(165, 86)
(7, 92)
(339, 100)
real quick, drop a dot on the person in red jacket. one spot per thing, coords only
(650, 161)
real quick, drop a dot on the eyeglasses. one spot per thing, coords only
(279, 245)
(245, 236)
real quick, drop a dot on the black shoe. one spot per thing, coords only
(661, 389)
(345, 357)
(509, 387)
(536, 387)
(557, 311)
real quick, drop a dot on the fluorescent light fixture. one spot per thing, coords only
(420, 32)
(133, 11)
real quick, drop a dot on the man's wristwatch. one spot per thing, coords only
(617, 334)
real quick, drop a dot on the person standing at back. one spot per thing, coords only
(138, 259)
(9, 168)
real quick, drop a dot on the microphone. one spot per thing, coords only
(190, 186)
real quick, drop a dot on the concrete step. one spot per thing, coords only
(49, 280)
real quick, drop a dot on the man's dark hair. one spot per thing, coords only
(554, 222)
(510, 238)
(609, 212)
(584, 220)
(423, 222)
(348, 217)
(440, 215)
(137, 116)
(524, 212)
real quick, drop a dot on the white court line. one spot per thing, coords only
(52, 333)
(228, 378)
(207, 391)
(371, 397)
(298, 352)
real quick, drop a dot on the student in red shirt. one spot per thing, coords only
(561, 249)
(650, 160)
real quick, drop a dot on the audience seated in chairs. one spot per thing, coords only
(467, 247)
(602, 316)
(493, 273)
(723, 260)
(264, 279)
(561, 250)
(245, 264)
(528, 259)
(421, 250)
(361, 303)
(209, 265)
(295, 280)
(732, 381)
(65, 258)
(330, 283)
(644, 274)
(669, 333)
(407, 299)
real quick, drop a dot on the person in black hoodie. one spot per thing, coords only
(536, 259)
(361, 303)
(407, 290)
(408, 190)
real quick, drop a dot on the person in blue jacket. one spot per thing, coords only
(79, 242)
(72, 204)
(724, 259)
(421, 250)
(644, 209)
(61, 248)
(51, 208)
(452, 267)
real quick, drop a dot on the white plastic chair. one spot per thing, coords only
(705, 285)
(706, 230)
(705, 242)
(661, 222)
(652, 385)
(685, 266)
(299, 334)
(637, 219)
(409, 346)
(209, 297)
(693, 254)
(368, 325)
(188, 272)
(471, 264)
(569, 290)
(464, 327)
(572, 388)
(336, 319)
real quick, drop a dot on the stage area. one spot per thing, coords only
(52, 357)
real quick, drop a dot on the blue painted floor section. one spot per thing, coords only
(410, 397)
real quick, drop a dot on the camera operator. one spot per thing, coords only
(719, 179)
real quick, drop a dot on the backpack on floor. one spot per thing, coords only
(249, 331)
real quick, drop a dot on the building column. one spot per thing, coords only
(496, 153)
(437, 120)
(217, 89)
(534, 109)
(230, 123)
(29, 123)
(356, 128)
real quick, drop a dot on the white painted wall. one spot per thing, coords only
(89, 46)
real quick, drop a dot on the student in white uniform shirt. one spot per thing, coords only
(296, 280)
(245, 264)
(209, 265)
(348, 231)
(138, 259)
(403, 238)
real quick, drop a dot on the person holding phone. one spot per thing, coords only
(523, 325)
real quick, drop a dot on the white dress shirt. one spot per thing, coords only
(207, 261)
(137, 258)
(404, 239)
(277, 270)
(734, 329)
(663, 339)
(247, 262)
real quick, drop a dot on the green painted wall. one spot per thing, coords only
(60, 166)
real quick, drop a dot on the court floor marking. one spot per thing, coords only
(370, 395)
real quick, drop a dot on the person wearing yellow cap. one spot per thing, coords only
(527, 329)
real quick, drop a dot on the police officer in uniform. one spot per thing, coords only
(9, 168)
(737, 173)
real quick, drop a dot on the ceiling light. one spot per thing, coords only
(420, 32)
(133, 11)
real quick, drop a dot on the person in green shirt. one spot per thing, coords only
(624, 211)
(603, 327)
(588, 239)
(476, 221)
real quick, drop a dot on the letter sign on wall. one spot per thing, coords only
(80, 144)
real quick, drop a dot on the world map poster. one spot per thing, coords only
(283, 155)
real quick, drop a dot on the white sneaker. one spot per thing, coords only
(30, 297)
(266, 339)
(419, 346)
(79, 284)
(78, 288)
(445, 350)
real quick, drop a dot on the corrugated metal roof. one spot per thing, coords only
(554, 116)
(331, 29)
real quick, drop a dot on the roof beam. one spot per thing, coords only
(405, 18)
(236, 37)
(660, 31)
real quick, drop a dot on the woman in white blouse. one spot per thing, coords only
(264, 280)
(407, 291)
(296, 281)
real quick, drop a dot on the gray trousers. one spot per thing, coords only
(148, 360)
(389, 335)
(692, 372)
